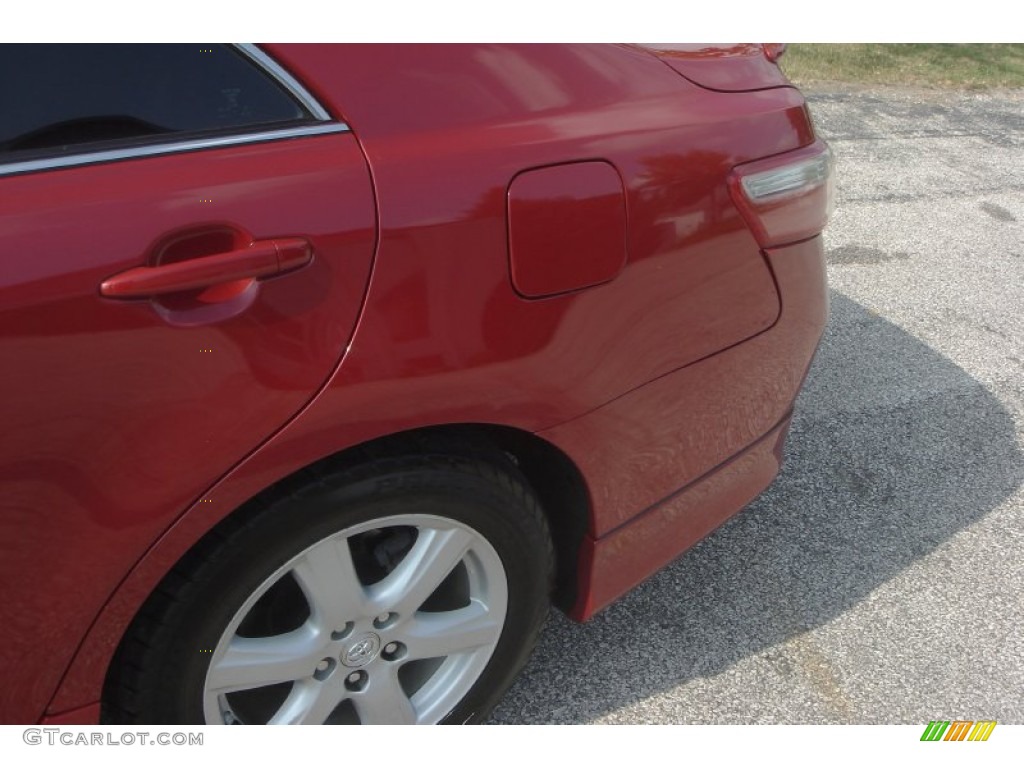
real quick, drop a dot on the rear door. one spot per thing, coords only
(185, 242)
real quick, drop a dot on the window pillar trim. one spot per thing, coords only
(284, 78)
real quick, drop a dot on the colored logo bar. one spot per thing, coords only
(958, 730)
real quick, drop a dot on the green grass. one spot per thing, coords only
(921, 64)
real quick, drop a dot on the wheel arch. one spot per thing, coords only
(553, 476)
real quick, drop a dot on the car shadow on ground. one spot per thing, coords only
(894, 449)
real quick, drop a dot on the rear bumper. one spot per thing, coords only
(615, 563)
(680, 455)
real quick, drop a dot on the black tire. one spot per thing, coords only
(159, 675)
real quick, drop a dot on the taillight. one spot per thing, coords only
(787, 197)
(773, 51)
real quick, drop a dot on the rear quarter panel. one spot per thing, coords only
(444, 337)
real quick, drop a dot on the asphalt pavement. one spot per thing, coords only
(881, 578)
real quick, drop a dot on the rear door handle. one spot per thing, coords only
(263, 258)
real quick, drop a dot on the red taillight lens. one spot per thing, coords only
(773, 51)
(785, 198)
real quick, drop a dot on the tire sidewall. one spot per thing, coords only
(499, 511)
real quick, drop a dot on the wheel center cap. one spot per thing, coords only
(361, 651)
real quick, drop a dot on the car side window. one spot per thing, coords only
(65, 99)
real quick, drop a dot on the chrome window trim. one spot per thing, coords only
(269, 67)
(284, 79)
(167, 148)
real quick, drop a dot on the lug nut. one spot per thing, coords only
(324, 669)
(356, 681)
(393, 652)
(340, 634)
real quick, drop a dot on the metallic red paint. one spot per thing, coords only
(669, 386)
(695, 446)
(736, 67)
(87, 715)
(264, 258)
(119, 415)
(566, 228)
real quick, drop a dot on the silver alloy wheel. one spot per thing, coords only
(404, 646)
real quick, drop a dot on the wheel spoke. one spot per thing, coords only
(433, 635)
(254, 662)
(358, 637)
(309, 703)
(327, 577)
(433, 556)
(384, 702)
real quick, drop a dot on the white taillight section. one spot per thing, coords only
(788, 197)
(762, 186)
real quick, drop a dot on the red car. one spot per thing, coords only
(328, 368)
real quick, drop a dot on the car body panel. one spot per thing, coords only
(120, 414)
(442, 168)
(615, 372)
(724, 67)
(676, 440)
(566, 228)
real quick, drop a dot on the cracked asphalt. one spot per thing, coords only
(880, 579)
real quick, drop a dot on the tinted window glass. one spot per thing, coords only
(63, 98)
